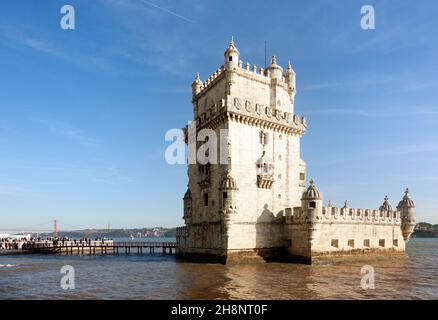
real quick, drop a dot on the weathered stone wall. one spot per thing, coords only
(343, 231)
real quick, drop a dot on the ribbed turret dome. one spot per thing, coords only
(312, 193)
(228, 183)
(386, 206)
(407, 201)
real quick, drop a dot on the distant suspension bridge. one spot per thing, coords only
(45, 227)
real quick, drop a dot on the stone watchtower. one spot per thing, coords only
(234, 203)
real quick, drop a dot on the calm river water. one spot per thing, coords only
(161, 277)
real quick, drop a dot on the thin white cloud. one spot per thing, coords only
(395, 82)
(167, 11)
(153, 41)
(5, 129)
(16, 35)
(375, 112)
(19, 36)
(111, 176)
(375, 152)
(9, 190)
(409, 149)
(65, 130)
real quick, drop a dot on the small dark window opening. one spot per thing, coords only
(224, 195)
(302, 176)
(312, 204)
(230, 58)
(206, 199)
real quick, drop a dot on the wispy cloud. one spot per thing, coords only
(375, 112)
(5, 129)
(9, 190)
(111, 176)
(153, 39)
(49, 175)
(409, 149)
(361, 82)
(379, 152)
(167, 11)
(65, 130)
(21, 36)
(18, 36)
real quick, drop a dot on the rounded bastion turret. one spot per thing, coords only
(311, 202)
(386, 206)
(231, 56)
(407, 209)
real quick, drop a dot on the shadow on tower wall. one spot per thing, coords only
(270, 245)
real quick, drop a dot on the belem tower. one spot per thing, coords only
(255, 205)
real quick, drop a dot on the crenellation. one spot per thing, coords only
(357, 215)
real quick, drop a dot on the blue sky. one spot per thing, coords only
(83, 112)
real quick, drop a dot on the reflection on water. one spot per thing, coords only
(160, 277)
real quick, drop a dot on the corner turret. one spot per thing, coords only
(196, 85)
(228, 188)
(407, 208)
(311, 202)
(275, 71)
(231, 56)
(386, 206)
(290, 77)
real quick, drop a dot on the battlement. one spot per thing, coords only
(249, 71)
(259, 74)
(211, 80)
(345, 215)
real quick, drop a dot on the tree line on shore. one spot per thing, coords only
(426, 230)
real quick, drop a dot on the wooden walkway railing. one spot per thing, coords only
(108, 247)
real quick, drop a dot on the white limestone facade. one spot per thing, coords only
(250, 201)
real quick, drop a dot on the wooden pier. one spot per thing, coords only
(104, 248)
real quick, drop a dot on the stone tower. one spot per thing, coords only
(234, 207)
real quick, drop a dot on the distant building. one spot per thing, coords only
(256, 204)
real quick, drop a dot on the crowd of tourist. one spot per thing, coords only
(9, 243)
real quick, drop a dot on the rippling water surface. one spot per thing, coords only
(161, 277)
